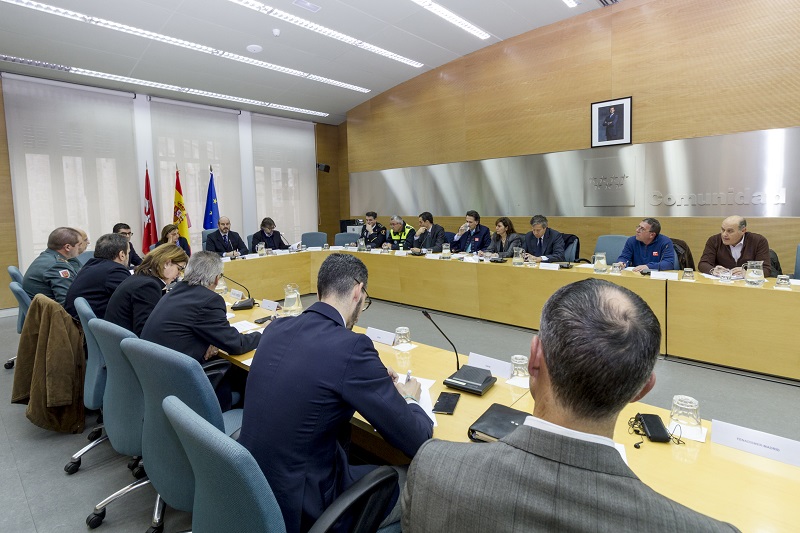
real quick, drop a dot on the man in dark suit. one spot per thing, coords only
(542, 243)
(429, 236)
(269, 236)
(559, 471)
(309, 375)
(101, 275)
(125, 230)
(192, 318)
(471, 236)
(225, 242)
(611, 123)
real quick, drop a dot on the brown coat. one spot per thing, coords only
(756, 248)
(50, 368)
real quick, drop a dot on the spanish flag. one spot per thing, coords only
(179, 215)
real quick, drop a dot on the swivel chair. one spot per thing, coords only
(15, 274)
(85, 256)
(94, 383)
(342, 239)
(314, 238)
(24, 302)
(612, 245)
(206, 232)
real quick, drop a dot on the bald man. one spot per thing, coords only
(732, 247)
(225, 242)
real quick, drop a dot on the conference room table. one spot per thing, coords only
(751, 492)
(708, 321)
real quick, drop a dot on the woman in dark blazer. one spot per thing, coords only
(169, 234)
(134, 298)
(504, 240)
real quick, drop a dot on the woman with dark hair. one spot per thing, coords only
(504, 240)
(170, 235)
(135, 298)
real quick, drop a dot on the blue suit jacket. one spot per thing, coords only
(480, 241)
(308, 377)
(552, 244)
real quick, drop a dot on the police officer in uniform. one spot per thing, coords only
(401, 236)
(373, 232)
(52, 272)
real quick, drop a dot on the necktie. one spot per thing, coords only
(538, 251)
(226, 242)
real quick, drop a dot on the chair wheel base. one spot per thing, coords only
(139, 472)
(94, 434)
(156, 529)
(95, 519)
(72, 466)
(8, 365)
(133, 463)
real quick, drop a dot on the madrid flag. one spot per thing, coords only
(150, 234)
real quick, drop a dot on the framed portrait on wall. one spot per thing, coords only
(611, 122)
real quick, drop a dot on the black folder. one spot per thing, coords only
(497, 422)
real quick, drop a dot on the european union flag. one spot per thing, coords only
(212, 209)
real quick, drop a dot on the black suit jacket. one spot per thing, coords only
(96, 282)
(190, 318)
(274, 241)
(133, 258)
(431, 240)
(214, 243)
(133, 301)
(552, 244)
(309, 375)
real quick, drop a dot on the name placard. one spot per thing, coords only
(655, 274)
(756, 442)
(400, 253)
(269, 305)
(381, 336)
(237, 295)
(549, 266)
(501, 369)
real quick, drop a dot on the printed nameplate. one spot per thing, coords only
(756, 442)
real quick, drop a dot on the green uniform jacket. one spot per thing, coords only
(50, 274)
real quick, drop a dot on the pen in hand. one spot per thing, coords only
(408, 376)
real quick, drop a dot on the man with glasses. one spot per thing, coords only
(309, 375)
(125, 230)
(52, 272)
(648, 249)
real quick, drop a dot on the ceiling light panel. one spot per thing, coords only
(38, 6)
(325, 31)
(452, 18)
(155, 85)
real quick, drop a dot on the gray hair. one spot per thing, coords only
(339, 273)
(397, 218)
(109, 246)
(600, 343)
(655, 225)
(539, 219)
(203, 268)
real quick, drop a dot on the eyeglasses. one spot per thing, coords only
(126, 233)
(367, 299)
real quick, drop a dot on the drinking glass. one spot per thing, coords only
(685, 410)
(688, 273)
(519, 365)
(402, 335)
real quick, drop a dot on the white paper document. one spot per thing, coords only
(519, 381)
(433, 256)
(697, 433)
(405, 347)
(336, 248)
(314, 248)
(248, 362)
(244, 325)
(280, 252)
(498, 368)
(585, 265)
(424, 396)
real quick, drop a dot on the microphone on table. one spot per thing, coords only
(428, 316)
(284, 239)
(466, 378)
(241, 305)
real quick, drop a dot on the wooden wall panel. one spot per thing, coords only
(328, 196)
(344, 174)
(693, 69)
(782, 233)
(8, 227)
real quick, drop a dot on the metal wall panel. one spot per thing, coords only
(753, 174)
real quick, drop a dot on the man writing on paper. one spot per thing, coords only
(648, 249)
(543, 244)
(309, 375)
(732, 247)
(559, 471)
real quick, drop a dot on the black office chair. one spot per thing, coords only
(775, 269)
(572, 247)
(364, 503)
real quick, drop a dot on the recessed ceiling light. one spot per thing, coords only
(307, 5)
(254, 48)
(572, 3)
(452, 18)
(156, 85)
(322, 30)
(38, 6)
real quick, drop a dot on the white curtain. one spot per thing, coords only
(284, 155)
(194, 138)
(72, 161)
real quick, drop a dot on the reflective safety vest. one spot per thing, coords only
(400, 236)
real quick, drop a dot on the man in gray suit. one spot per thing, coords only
(559, 471)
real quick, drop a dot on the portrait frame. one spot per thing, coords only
(619, 129)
